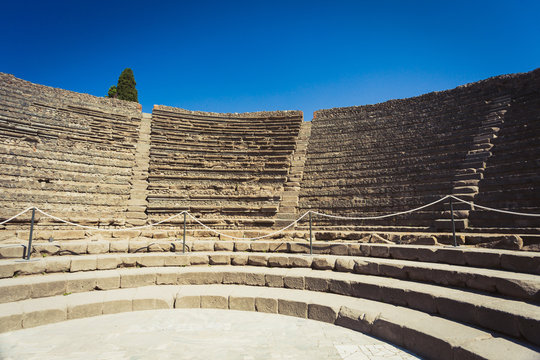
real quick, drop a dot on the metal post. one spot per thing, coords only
(453, 223)
(310, 236)
(184, 237)
(29, 249)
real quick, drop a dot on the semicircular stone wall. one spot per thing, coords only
(478, 141)
(101, 162)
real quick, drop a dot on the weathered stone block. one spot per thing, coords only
(241, 303)
(198, 259)
(293, 308)
(203, 246)
(278, 261)
(293, 282)
(239, 259)
(83, 263)
(224, 246)
(108, 262)
(119, 246)
(214, 301)
(98, 247)
(187, 302)
(57, 264)
(300, 261)
(323, 263)
(258, 260)
(219, 259)
(266, 305)
(323, 313)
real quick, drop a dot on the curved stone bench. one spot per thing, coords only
(511, 284)
(517, 261)
(429, 336)
(510, 317)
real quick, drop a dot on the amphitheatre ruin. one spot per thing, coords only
(416, 221)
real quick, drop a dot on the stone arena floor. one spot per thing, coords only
(195, 334)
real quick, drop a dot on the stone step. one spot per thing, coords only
(469, 176)
(446, 224)
(516, 285)
(291, 293)
(465, 190)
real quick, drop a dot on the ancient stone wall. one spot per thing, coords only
(379, 159)
(511, 179)
(74, 155)
(67, 153)
(230, 168)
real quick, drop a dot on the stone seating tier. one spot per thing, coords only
(10, 85)
(423, 141)
(511, 179)
(71, 123)
(195, 156)
(398, 297)
(67, 153)
(518, 314)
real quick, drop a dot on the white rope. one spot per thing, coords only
(278, 231)
(255, 238)
(381, 216)
(492, 209)
(101, 229)
(13, 217)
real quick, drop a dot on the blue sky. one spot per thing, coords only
(238, 56)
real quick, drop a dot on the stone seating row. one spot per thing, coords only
(206, 120)
(78, 158)
(73, 154)
(220, 139)
(511, 317)
(213, 139)
(66, 166)
(405, 114)
(195, 171)
(51, 112)
(162, 126)
(264, 117)
(428, 335)
(10, 85)
(113, 136)
(346, 245)
(216, 164)
(179, 149)
(181, 116)
(347, 155)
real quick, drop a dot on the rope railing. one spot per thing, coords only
(492, 209)
(102, 229)
(307, 213)
(380, 216)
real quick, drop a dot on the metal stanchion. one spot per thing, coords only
(453, 222)
(184, 237)
(29, 249)
(310, 236)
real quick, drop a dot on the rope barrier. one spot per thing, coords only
(101, 229)
(16, 216)
(381, 216)
(492, 209)
(255, 238)
(278, 231)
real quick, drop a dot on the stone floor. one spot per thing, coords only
(194, 334)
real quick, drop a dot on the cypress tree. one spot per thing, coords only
(126, 86)
(113, 92)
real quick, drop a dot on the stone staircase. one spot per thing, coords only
(438, 302)
(136, 211)
(288, 207)
(465, 185)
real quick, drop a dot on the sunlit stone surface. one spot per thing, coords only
(194, 334)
